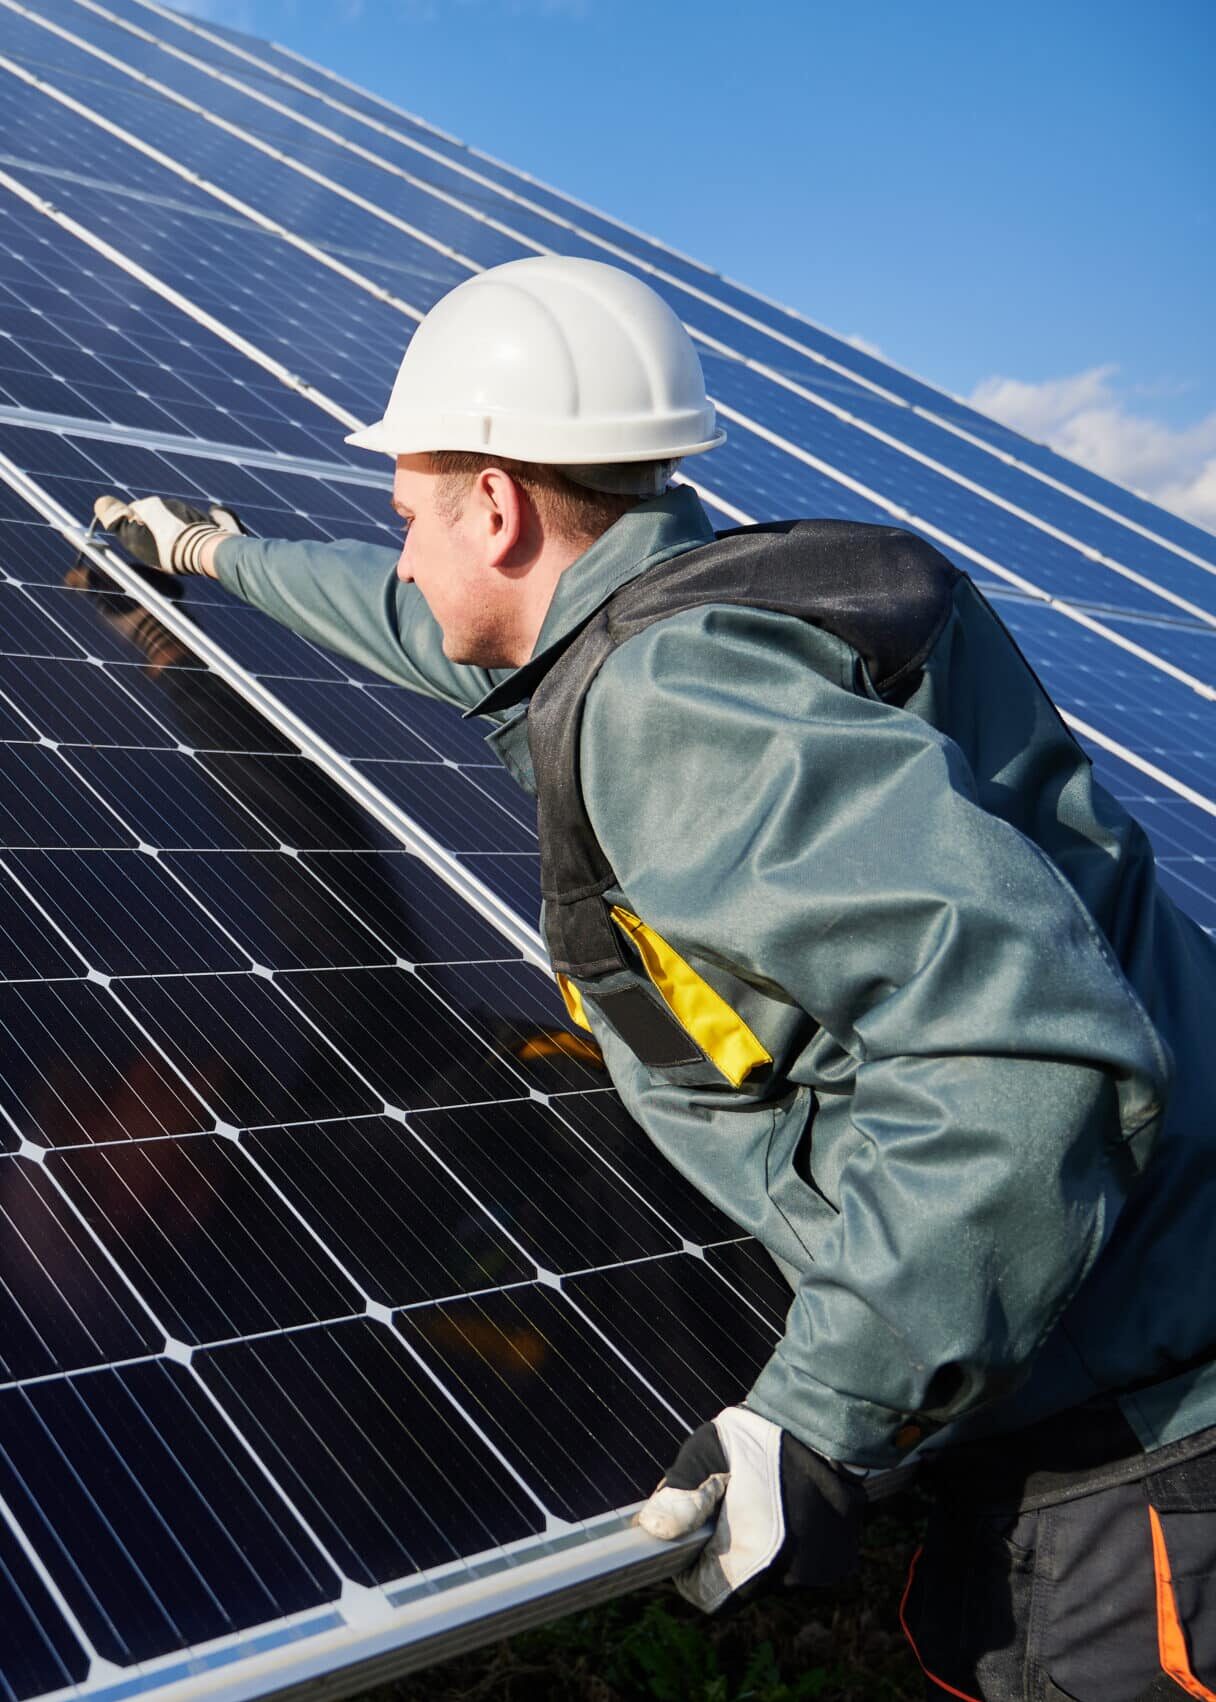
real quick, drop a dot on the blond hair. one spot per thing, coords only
(569, 510)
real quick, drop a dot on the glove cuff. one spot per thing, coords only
(188, 546)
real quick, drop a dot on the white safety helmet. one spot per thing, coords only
(556, 360)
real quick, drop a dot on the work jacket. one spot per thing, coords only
(983, 1139)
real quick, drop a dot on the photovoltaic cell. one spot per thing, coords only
(41, 1653)
(351, 1266)
(369, 1449)
(193, 1227)
(61, 1309)
(381, 1195)
(185, 1538)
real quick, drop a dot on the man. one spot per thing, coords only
(870, 956)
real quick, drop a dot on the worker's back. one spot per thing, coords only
(1154, 1285)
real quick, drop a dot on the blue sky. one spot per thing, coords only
(985, 193)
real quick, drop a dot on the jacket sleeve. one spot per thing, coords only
(347, 597)
(829, 849)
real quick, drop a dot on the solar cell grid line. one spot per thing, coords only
(138, 1194)
(946, 470)
(1183, 835)
(1156, 717)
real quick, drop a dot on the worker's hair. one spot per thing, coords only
(570, 510)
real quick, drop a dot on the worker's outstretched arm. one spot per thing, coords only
(345, 595)
(829, 849)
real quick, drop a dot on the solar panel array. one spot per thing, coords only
(344, 1313)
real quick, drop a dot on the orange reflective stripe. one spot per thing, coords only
(1171, 1639)
(903, 1624)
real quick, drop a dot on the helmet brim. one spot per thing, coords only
(388, 437)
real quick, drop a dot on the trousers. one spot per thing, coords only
(1052, 1584)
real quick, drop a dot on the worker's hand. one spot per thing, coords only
(164, 533)
(783, 1514)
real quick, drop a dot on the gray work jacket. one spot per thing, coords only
(982, 1013)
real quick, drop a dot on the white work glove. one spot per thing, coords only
(164, 533)
(784, 1514)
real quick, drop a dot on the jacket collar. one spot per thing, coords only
(644, 536)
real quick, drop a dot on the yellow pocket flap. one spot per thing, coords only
(720, 1032)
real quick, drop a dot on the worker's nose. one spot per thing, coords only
(403, 572)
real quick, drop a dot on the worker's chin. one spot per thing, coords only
(475, 652)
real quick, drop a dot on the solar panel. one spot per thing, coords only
(244, 1111)
(344, 1316)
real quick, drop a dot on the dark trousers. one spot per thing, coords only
(1063, 1584)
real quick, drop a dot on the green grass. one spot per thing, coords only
(838, 1646)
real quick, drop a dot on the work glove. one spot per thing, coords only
(162, 532)
(784, 1514)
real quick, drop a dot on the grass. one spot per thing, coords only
(839, 1646)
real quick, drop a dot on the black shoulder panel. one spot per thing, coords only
(886, 592)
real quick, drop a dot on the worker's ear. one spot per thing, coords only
(497, 508)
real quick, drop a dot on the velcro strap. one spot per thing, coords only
(648, 1028)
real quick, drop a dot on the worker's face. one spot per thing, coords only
(455, 559)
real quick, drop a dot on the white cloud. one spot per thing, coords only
(1091, 418)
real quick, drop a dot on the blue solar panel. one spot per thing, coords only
(228, 944)
(344, 1245)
